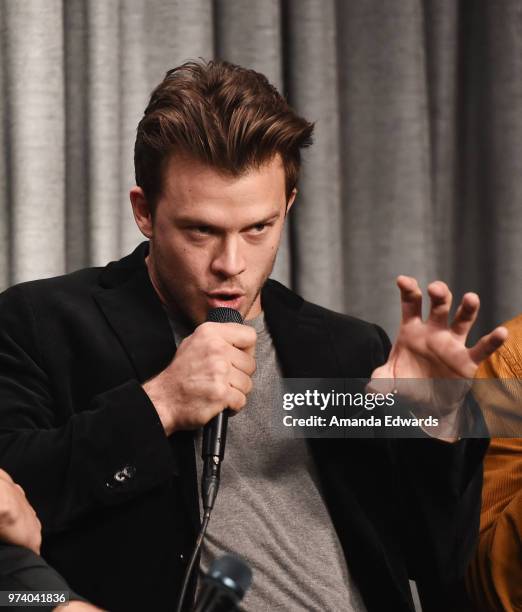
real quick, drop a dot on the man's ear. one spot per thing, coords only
(291, 200)
(141, 210)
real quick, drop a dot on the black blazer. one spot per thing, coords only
(118, 499)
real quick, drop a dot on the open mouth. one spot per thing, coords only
(226, 296)
(230, 300)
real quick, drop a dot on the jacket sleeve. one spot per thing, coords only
(440, 489)
(23, 570)
(70, 465)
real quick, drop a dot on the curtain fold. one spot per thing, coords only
(385, 153)
(312, 85)
(33, 110)
(417, 158)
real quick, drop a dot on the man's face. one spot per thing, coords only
(213, 238)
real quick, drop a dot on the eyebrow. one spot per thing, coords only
(194, 222)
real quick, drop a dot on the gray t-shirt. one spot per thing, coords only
(270, 510)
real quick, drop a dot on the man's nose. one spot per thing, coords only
(229, 260)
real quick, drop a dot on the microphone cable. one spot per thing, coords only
(194, 556)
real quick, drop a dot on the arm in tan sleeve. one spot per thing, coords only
(494, 578)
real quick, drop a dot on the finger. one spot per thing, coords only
(236, 400)
(466, 314)
(242, 361)
(20, 489)
(440, 303)
(240, 381)
(488, 344)
(411, 298)
(380, 385)
(240, 336)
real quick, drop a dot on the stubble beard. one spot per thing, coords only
(173, 302)
(260, 287)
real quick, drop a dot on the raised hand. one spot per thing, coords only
(435, 349)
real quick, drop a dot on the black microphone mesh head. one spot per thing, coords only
(231, 572)
(224, 315)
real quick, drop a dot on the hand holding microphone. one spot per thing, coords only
(211, 371)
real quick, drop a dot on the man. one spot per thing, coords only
(495, 574)
(21, 567)
(106, 375)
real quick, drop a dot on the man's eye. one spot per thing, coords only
(201, 229)
(259, 228)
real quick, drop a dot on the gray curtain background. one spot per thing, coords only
(417, 162)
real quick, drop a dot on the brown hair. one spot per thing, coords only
(221, 114)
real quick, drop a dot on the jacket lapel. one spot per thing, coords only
(133, 310)
(299, 333)
(136, 315)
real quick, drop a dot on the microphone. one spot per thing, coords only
(215, 431)
(224, 586)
